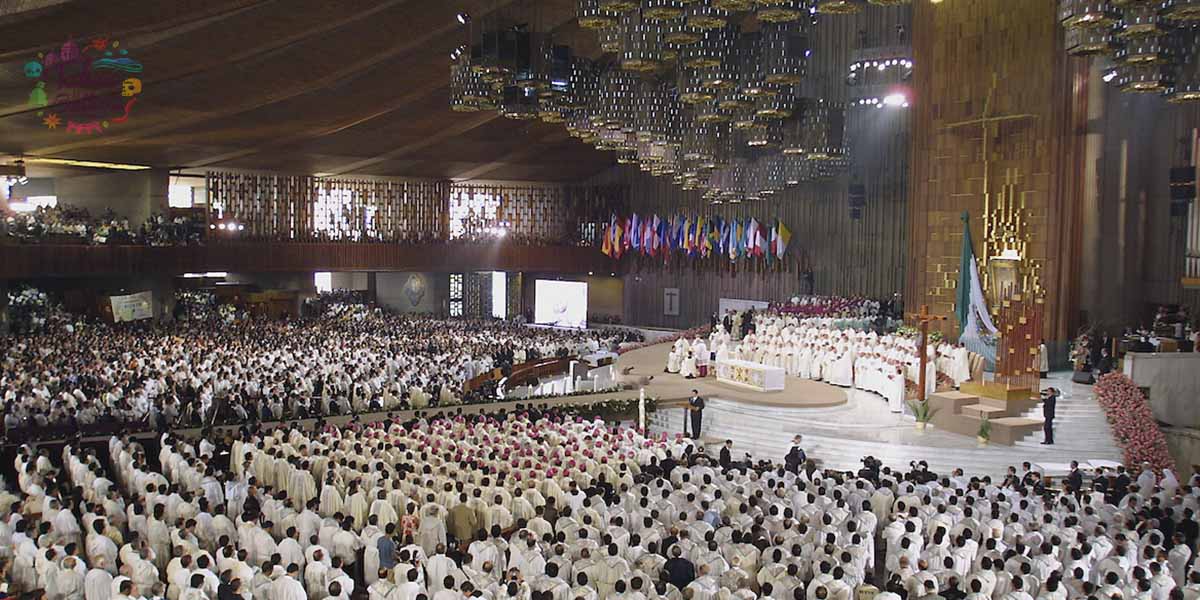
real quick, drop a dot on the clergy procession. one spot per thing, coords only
(824, 349)
(539, 505)
(77, 375)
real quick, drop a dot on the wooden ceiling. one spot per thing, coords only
(299, 86)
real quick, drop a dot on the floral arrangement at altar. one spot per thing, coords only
(611, 410)
(1132, 421)
(910, 331)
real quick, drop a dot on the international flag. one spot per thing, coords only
(629, 234)
(647, 235)
(698, 236)
(761, 243)
(636, 232)
(617, 231)
(730, 246)
(606, 242)
(739, 240)
(659, 234)
(782, 241)
(770, 236)
(751, 237)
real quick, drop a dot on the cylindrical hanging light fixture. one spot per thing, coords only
(662, 10)
(733, 5)
(824, 130)
(591, 16)
(1091, 41)
(1087, 14)
(641, 44)
(703, 16)
(785, 49)
(781, 11)
(619, 6)
(839, 7)
(1186, 84)
(1182, 10)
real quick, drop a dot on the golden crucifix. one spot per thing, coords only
(992, 223)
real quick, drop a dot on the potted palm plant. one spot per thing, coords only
(985, 431)
(921, 412)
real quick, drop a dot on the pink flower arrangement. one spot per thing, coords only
(1132, 421)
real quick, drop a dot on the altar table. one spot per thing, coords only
(751, 374)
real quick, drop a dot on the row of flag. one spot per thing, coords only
(696, 237)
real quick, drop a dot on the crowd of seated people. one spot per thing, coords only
(70, 224)
(834, 307)
(70, 375)
(537, 506)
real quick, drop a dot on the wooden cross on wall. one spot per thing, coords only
(985, 122)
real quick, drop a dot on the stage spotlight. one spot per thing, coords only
(895, 100)
(463, 18)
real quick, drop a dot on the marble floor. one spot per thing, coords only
(838, 437)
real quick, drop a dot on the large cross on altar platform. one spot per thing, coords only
(923, 319)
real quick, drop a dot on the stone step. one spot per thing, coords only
(979, 411)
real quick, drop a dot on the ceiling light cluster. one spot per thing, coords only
(881, 65)
(897, 100)
(682, 91)
(227, 226)
(1149, 46)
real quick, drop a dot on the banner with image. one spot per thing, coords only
(132, 307)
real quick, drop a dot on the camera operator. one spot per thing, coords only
(870, 470)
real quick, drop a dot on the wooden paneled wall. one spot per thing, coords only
(274, 207)
(1133, 249)
(303, 208)
(977, 58)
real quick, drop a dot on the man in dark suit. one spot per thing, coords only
(696, 406)
(1075, 478)
(728, 323)
(1120, 486)
(795, 456)
(1049, 400)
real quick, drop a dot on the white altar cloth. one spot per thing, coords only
(751, 374)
